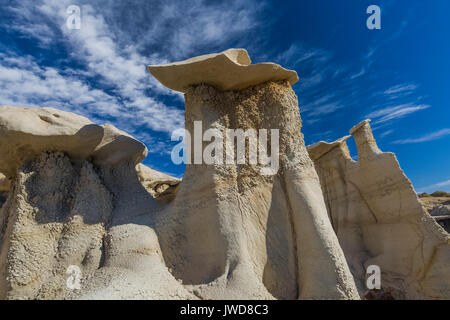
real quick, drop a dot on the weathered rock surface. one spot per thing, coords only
(60, 214)
(161, 186)
(379, 219)
(436, 206)
(267, 236)
(227, 70)
(79, 197)
(231, 232)
(439, 209)
(26, 132)
(76, 207)
(5, 183)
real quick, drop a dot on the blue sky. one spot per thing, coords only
(398, 76)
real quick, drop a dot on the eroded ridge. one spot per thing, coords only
(379, 219)
(266, 236)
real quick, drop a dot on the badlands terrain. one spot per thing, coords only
(74, 193)
(437, 205)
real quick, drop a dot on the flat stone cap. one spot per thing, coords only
(318, 149)
(26, 132)
(359, 125)
(227, 70)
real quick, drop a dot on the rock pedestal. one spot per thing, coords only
(74, 202)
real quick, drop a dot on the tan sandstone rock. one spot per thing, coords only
(5, 185)
(379, 220)
(62, 214)
(266, 236)
(231, 232)
(76, 208)
(439, 209)
(26, 132)
(161, 186)
(227, 70)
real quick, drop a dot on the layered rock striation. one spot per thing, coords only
(225, 231)
(74, 197)
(379, 219)
(233, 232)
(288, 223)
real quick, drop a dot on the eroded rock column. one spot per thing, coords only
(380, 221)
(233, 232)
(76, 204)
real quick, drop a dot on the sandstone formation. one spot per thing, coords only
(161, 186)
(267, 236)
(379, 219)
(439, 209)
(26, 132)
(76, 198)
(5, 185)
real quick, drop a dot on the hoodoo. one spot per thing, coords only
(232, 232)
(379, 219)
(78, 202)
(74, 196)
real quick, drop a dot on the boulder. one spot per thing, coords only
(435, 205)
(440, 210)
(160, 185)
(26, 132)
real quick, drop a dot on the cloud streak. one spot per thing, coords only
(401, 88)
(436, 186)
(115, 43)
(395, 112)
(428, 137)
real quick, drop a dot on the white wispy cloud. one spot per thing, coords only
(362, 72)
(435, 187)
(321, 136)
(24, 83)
(315, 68)
(300, 52)
(395, 112)
(428, 137)
(401, 88)
(328, 86)
(385, 133)
(111, 45)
